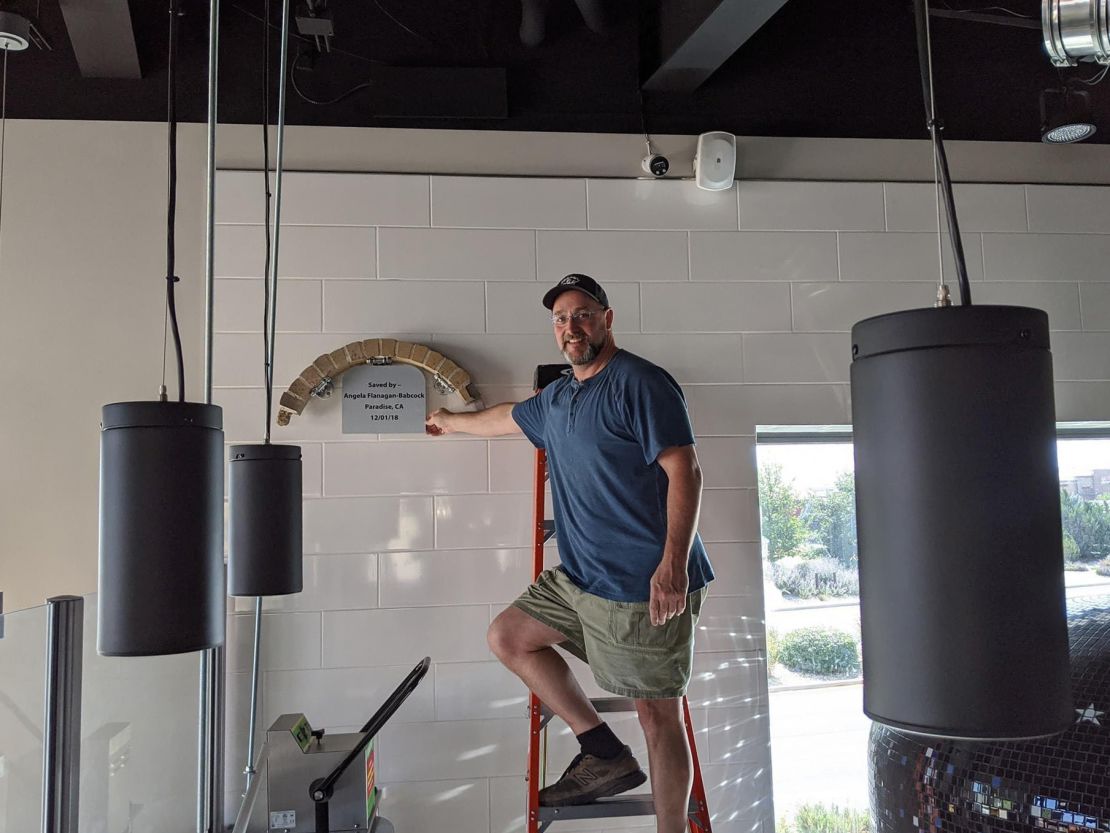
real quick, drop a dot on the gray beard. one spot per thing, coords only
(591, 353)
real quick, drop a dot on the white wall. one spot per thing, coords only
(412, 544)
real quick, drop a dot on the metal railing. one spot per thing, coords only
(62, 719)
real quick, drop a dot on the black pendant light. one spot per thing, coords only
(264, 492)
(958, 510)
(161, 495)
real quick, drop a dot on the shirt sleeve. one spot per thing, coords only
(531, 416)
(657, 413)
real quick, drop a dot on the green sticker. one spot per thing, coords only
(302, 733)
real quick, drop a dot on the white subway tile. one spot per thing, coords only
(836, 307)
(728, 679)
(421, 579)
(244, 418)
(334, 697)
(376, 308)
(811, 206)
(511, 466)
(737, 409)
(508, 202)
(912, 206)
(1046, 257)
(327, 199)
(312, 469)
(1081, 357)
(1069, 208)
(477, 521)
(452, 749)
(238, 358)
(613, 256)
(303, 252)
(1095, 303)
(331, 582)
(411, 468)
(289, 641)
(727, 462)
(728, 515)
(517, 308)
(715, 307)
(905, 256)
(731, 623)
(457, 254)
(367, 524)
(763, 256)
(738, 568)
(739, 796)
(738, 735)
(495, 359)
(797, 357)
(478, 691)
(1082, 401)
(239, 306)
(1059, 300)
(658, 204)
(691, 358)
(446, 634)
(437, 805)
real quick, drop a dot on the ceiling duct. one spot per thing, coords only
(1076, 29)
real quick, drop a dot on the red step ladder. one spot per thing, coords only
(540, 818)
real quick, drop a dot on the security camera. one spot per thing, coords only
(655, 164)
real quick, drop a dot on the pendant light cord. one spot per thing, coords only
(942, 178)
(266, 334)
(171, 209)
(3, 133)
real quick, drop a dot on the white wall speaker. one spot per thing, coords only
(715, 161)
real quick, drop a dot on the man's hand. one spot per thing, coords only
(669, 586)
(437, 422)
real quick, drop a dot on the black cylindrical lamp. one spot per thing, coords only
(161, 528)
(264, 507)
(958, 517)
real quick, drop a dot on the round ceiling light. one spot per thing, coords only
(15, 32)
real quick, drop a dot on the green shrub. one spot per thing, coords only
(1103, 568)
(817, 818)
(822, 651)
(1071, 550)
(773, 643)
(815, 578)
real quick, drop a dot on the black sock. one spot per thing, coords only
(601, 741)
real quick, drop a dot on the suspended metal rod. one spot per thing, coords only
(61, 752)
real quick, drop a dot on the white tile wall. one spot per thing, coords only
(412, 545)
(506, 202)
(912, 206)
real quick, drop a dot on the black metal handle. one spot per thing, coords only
(323, 787)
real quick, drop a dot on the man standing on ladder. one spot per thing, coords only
(627, 489)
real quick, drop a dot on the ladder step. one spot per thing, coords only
(602, 704)
(606, 808)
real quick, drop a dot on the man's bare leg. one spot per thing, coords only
(524, 646)
(672, 770)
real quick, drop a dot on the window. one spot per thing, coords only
(807, 511)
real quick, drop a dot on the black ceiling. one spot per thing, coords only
(818, 68)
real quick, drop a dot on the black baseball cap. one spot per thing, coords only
(582, 283)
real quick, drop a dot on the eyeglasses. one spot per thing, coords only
(581, 317)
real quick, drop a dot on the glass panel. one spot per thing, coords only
(22, 700)
(819, 733)
(138, 740)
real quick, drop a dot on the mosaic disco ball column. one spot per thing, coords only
(1058, 784)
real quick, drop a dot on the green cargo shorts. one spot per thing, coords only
(628, 655)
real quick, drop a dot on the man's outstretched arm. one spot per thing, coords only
(492, 422)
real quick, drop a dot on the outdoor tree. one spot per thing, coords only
(780, 511)
(1087, 522)
(832, 518)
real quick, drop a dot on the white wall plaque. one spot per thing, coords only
(384, 399)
